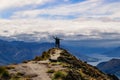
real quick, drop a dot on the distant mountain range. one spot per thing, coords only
(18, 51)
(110, 67)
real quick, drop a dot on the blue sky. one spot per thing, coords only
(8, 12)
(86, 8)
(69, 18)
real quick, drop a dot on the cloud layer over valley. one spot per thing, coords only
(70, 19)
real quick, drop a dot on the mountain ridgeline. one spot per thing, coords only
(54, 64)
(18, 51)
(111, 67)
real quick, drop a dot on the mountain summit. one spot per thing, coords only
(54, 64)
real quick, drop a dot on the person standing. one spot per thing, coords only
(57, 42)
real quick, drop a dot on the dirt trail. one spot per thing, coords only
(56, 55)
(40, 70)
(32, 69)
(37, 70)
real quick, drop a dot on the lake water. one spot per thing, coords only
(102, 58)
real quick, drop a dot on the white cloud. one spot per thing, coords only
(94, 17)
(90, 8)
(61, 10)
(5, 4)
(71, 29)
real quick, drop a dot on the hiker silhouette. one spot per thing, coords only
(57, 42)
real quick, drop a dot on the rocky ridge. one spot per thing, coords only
(55, 64)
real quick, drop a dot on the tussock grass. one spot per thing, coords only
(4, 74)
(59, 75)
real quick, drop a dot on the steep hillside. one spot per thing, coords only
(55, 64)
(111, 67)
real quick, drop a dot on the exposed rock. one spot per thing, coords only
(57, 64)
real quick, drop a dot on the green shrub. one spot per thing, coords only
(51, 71)
(38, 58)
(20, 74)
(10, 67)
(26, 61)
(4, 73)
(45, 56)
(59, 75)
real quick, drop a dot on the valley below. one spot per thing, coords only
(102, 58)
